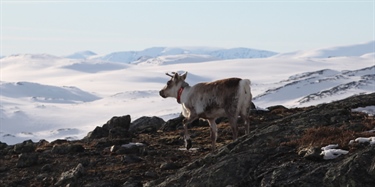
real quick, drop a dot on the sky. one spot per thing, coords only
(66, 26)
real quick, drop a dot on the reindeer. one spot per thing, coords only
(229, 97)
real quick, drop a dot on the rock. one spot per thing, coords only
(98, 132)
(173, 124)
(71, 175)
(27, 146)
(42, 142)
(353, 170)
(169, 166)
(116, 127)
(27, 160)
(131, 182)
(131, 159)
(122, 122)
(131, 148)
(3, 145)
(67, 148)
(146, 124)
(278, 108)
(177, 123)
(47, 168)
(311, 153)
(107, 142)
(59, 141)
(151, 174)
(100, 184)
(117, 133)
(3, 169)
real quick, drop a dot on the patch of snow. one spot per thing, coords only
(191, 149)
(370, 140)
(132, 144)
(369, 110)
(330, 152)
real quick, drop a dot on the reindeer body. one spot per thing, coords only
(227, 97)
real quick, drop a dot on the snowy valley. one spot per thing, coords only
(50, 97)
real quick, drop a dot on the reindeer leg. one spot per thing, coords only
(187, 138)
(234, 127)
(213, 133)
(246, 120)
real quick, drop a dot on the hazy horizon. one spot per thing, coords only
(64, 27)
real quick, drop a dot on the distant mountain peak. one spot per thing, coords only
(81, 55)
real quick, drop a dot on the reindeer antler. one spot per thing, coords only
(170, 74)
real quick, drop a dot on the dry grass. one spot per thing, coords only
(322, 136)
(359, 126)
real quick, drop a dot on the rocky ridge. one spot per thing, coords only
(283, 149)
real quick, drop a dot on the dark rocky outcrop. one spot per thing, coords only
(26, 160)
(146, 124)
(116, 127)
(25, 147)
(282, 149)
(67, 148)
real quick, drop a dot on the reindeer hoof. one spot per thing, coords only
(188, 144)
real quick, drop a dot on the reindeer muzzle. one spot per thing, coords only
(161, 93)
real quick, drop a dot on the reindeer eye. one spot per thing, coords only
(169, 82)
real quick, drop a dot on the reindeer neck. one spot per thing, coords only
(184, 88)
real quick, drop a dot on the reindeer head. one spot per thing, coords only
(177, 81)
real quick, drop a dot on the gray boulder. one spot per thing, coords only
(70, 176)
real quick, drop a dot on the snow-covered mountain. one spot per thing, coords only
(238, 53)
(81, 55)
(175, 59)
(45, 93)
(214, 53)
(337, 51)
(48, 97)
(316, 87)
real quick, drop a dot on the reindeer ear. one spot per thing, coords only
(183, 76)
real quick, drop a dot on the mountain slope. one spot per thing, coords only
(45, 93)
(94, 67)
(320, 86)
